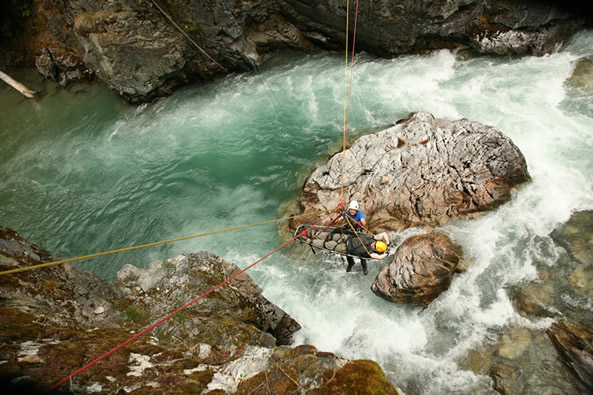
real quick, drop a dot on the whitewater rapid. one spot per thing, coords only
(83, 172)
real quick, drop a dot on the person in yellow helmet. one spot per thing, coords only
(366, 246)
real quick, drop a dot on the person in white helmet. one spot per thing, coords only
(353, 216)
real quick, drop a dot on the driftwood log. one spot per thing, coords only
(28, 93)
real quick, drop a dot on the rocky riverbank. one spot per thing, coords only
(56, 320)
(146, 49)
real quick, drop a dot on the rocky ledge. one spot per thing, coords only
(146, 49)
(57, 319)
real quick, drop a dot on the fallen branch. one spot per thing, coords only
(17, 85)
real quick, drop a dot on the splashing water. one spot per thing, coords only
(82, 172)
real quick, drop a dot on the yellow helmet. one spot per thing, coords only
(380, 246)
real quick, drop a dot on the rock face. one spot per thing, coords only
(575, 345)
(582, 76)
(388, 28)
(83, 293)
(422, 171)
(191, 274)
(305, 365)
(64, 68)
(56, 320)
(144, 49)
(422, 268)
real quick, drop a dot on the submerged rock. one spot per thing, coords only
(422, 171)
(527, 363)
(558, 359)
(582, 76)
(422, 268)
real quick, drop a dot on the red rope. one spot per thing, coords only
(175, 312)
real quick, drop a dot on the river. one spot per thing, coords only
(84, 172)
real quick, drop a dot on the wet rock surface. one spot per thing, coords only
(57, 319)
(143, 50)
(422, 269)
(556, 358)
(582, 76)
(422, 171)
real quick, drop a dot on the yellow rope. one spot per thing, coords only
(22, 269)
(347, 218)
(345, 100)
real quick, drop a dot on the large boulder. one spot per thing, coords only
(422, 171)
(422, 268)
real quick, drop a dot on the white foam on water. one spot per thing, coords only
(231, 153)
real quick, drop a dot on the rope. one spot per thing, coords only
(186, 35)
(175, 312)
(22, 269)
(345, 100)
(253, 63)
(348, 87)
(357, 235)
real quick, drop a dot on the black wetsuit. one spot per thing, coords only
(361, 250)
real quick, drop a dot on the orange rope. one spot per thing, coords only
(348, 89)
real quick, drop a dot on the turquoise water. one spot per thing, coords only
(82, 172)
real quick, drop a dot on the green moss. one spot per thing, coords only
(277, 380)
(181, 317)
(162, 335)
(132, 314)
(17, 326)
(356, 377)
(192, 28)
(136, 315)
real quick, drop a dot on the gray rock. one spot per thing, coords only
(422, 268)
(514, 343)
(172, 283)
(142, 53)
(575, 345)
(582, 76)
(422, 171)
(62, 67)
(212, 345)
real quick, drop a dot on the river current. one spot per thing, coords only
(82, 172)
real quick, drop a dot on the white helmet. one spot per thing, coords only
(353, 205)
